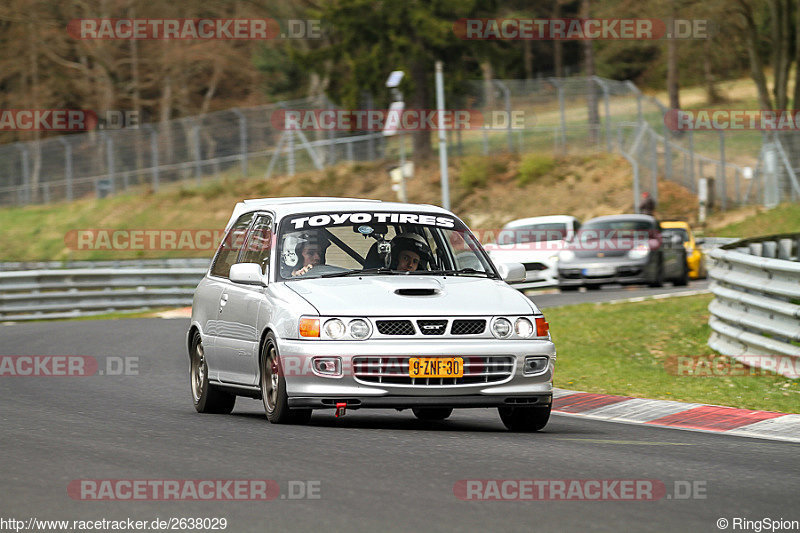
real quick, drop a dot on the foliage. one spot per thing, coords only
(533, 167)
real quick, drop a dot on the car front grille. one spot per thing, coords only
(395, 327)
(468, 327)
(394, 371)
(432, 327)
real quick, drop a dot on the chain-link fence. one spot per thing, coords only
(560, 115)
(193, 149)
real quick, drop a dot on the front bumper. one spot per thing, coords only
(307, 389)
(405, 402)
(595, 273)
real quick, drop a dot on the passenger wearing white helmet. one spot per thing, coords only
(409, 252)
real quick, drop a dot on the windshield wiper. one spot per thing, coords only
(453, 272)
(368, 271)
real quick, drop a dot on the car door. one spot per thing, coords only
(240, 306)
(215, 299)
(673, 254)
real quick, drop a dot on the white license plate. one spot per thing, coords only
(599, 271)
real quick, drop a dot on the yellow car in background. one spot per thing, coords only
(695, 258)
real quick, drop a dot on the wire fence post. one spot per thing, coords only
(154, 157)
(242, 139)
(723, 176)
(67, 165)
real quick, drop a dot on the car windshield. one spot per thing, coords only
(676, 231)
(333, 244)
(554, 231)
(619, 224)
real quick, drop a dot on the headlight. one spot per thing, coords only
(639, 252)
(523, 327)
(359, 329)
(566, 255)
(334, 328)
(501, 328)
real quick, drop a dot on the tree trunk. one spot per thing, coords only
(421, 139)
(673, 84)
(781, 35)
(756, 66)
(712, 95)
(796, 102)
(591, 89)
(527, 58)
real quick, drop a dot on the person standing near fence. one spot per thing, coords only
(647, 206)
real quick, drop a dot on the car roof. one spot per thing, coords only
(632, 216)
(539, 220)
(313, 204)
(674, 224)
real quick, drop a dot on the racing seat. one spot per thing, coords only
(373, 259)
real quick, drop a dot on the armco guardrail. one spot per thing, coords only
(64, 293)
(755, 314)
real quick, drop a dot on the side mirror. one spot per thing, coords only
(247, 274)
(511, 272)
(675, 239)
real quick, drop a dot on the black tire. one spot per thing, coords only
(658, 281)
(432, 413)
(206, 397)
(273, 388)
(593, 287)
(569, 288)
(524, 419)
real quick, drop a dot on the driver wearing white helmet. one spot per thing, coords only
(409, 252)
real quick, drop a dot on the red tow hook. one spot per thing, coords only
(341, 409)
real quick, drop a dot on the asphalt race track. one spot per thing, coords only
(608, 293)
(372, 470)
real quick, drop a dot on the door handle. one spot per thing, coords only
(222, 301)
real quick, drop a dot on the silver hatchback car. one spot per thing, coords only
(332, 303)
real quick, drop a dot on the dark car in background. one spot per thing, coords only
(623, 249)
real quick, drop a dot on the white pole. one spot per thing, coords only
(442, 137)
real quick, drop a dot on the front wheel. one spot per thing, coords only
(658, 280)
(432, 413)
(207, 399)
(524, 419)
(569, 288)
(273, 388)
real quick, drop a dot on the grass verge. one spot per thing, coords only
(630, 349)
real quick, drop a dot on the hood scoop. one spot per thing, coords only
(418, 291)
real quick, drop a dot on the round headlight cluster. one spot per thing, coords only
(523, 327)
(566, 255)
(359, 329)
(501, 328)
(334, 328)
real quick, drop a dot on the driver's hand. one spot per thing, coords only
(302, 271)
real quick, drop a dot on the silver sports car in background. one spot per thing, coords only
(622, 249)
(327, 303)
